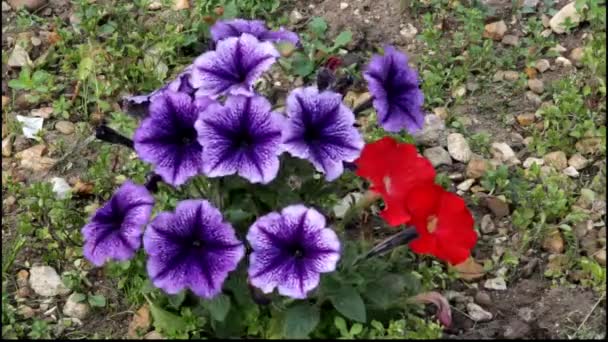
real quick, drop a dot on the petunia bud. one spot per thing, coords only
(325, 78)
(444, 313)
(107, 134)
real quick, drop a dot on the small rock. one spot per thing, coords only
(409, 32)
(477, 313)
(578, 162)
(24, 292)
(546, 33)
(558, 20)
(433, 131)
(542, 65)
(582, 228)
(600, 257)
(536, 85)
(530, 267)
(343, 5)
(497, 206)
(533, 98)
(30, 5)
(526, 119)
(554, 242)
(7, 146)
(437, 156)
(487, 224)
(504, 153)
(466, 185)
(26, 312)
(511, 75)
(441, 112)
(458, 147)
(530, 3)
(498, 76)
(556, 159)
(45, 281)
(526, 314)
(345, 203)
(576, 56)
(22, 278)
(483, 298)
(570, 171)
(155, 5)
(586, 199)
(477, 167)
(141, 322)
(459, 92)
(495, 30)
(65, 127)
(588, 145)
(295, 17)
(61, 188)
(589, 242)
(558, 48)
(5, 8)
(75, 309)
(19, 57)
(510, 39)
(153, 335)
(545, 20)
(497, 284)
(563, 62)
(9, 202)
(44, 112)
(179, 5)
(531, 161)
(32, 159)
(516, 329)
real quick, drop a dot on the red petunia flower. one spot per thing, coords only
(443, 223)
(393, 169)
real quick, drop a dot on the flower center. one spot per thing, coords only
(311, 135)
(431, 223)
(188, 137)
(387, 184)
(298, 253)
(197, 243)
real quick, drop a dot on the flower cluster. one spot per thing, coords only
(211, 121)
(405, 180)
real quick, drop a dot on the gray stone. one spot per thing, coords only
(483, 298)
(558, 20)
(30, 5)
(531, 161)
(510, 39)
(570, 171)
(458, 147)
(65, 127)
(536, 85)
(542, 65)
(504, 153)
(75, 309)
(578, 162)
(478, 314)
(432, 133)
(466, 185)
(437, 156)
(497, 284)
(45, 281)
(487, 224)
(516, 329)
(19, 57)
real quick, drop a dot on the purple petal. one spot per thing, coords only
(191, 248)
(233, 67)
(282, 35)
(320, 129)
(167, 137)
(114, 232)
(290, 249)
(394, 86)
(243, 137)
(234, 28)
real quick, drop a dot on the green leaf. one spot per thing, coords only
(166, 321)
(349, 303)
(356, 329)
(175, 301)
(19, 84)
(342, 39)
(340, 323)
(78, 297)
(230, 10)
(85, 67)
(218, 307)
(300, 320)
(97, 300)
(237, 215)
(318, 26)
(302, 65)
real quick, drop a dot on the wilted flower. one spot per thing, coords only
(243, 137)
(290, 250)
(193, 248)
(138, 104)
(320, 129)
(443, 222)
(114, 231)
(257, 28)
(444, 313)
(167, 138)
(393, 168)
(394, 87)
(233, 67)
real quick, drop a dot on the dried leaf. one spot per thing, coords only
(181, 4)
(83, 188)
(531, 72)
(469, 270)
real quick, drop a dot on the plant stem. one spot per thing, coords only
(107, 134)
(363, 106)
(368, 198)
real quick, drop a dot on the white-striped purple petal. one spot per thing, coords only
(234, 28)
(241, 137)
(290, 250)
(114, 231)
(191, 248)
(320, 128)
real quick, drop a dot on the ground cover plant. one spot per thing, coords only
(266, 169)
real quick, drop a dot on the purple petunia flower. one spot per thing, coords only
(138, 104)
(394, 87)
(257, 28)
(167, 138)
(243, 137)
(114, 231)
(191, 248)
(233, 67)
(290, 249)
(320, 129)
